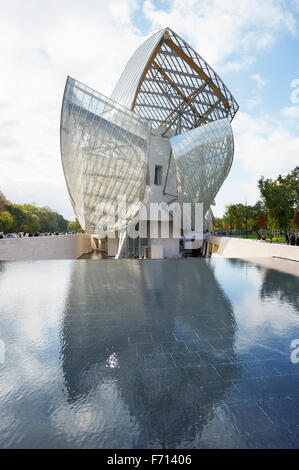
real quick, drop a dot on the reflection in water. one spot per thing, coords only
(283, 288)
(187, 353)
(135, 328)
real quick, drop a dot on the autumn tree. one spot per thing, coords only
(262, 220)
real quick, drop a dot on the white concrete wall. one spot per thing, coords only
(112, 246)
(170, 247)
(45, 247)
(159, 152)
(156, 252)
(243, 248)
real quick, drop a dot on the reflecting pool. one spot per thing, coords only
(148, 354)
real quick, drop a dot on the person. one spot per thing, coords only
(287, 237)
(271, 238)
(1, 235)
(259, 236)
(297, 240)
(293, 239)
(264, 238)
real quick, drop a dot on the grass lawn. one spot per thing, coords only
(275, 239)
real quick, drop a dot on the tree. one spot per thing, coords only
(62, 223)
(239, 223)
(7, 222)
(29, 218)
(262, 220)
(19, 214)
(218, 223)
(31, 223)
(230, 216)
(74, 226)
(3, 202)
(281, 196)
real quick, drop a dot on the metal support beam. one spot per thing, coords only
(185, 101)
(209, 111)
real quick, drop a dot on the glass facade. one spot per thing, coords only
(203, 158)
(126, 87)
(107, 144)
(104, 150)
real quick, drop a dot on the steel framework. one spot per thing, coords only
(166, 81)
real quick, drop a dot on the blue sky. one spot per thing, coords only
(252, 45)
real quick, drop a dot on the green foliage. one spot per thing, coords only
(219, 225)
(31, 223)
(276, 209)
(242, 216)
(29, 218)
(74, 226)
(281, 197)
(7, 223)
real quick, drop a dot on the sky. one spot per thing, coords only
(252, 44)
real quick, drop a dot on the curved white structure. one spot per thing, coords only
(165, 132)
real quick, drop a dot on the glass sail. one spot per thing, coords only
(104, 149)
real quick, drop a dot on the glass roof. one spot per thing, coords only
(169, 83)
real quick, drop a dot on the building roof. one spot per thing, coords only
(169, 83)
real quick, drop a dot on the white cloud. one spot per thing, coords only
(264, 146)
(260, 82)
(291, 112)
(256, 95)
(220, 29)
(40, 44)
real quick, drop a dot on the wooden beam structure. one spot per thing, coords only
(179, 68)
(208, 111)
(197, 69)
(171, 83)
(185, 101)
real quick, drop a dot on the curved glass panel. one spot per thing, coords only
(104, 149)
(203, 158)
(125, 89)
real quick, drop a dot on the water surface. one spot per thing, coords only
(137, 354)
